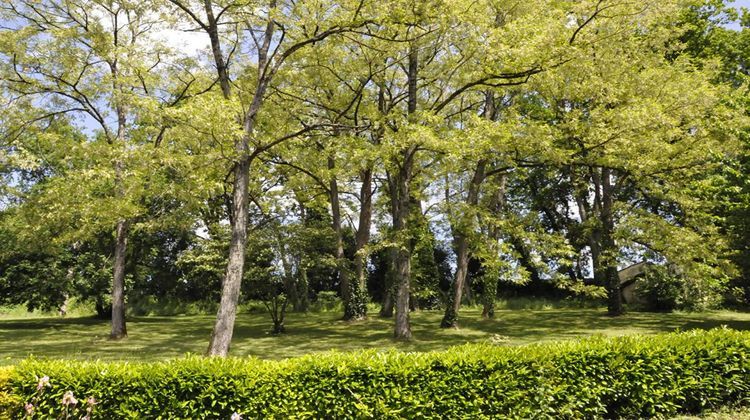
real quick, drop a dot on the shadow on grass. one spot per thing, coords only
(156, 338)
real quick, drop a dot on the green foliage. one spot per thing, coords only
(326, 301)
(8, 401)
(39, 281)
(632, 377)
(659, 289)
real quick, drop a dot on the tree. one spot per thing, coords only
(632, 137)
(277, 30)
(97, 65)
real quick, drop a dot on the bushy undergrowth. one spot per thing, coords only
(630, 377)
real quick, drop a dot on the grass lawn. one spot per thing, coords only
(154, 338)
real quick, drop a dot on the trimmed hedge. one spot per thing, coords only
(8, 401)
(629, 377)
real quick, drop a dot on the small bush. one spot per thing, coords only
(658, 289)
(629, 377)
(169, 307)
(327, 301)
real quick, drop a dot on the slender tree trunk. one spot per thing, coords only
(303, 301)
(221, 336)
(402, 329)
(401, 194)
(386, 310)
(450, 317)
(219, 61)
(497, 205)
(609, 247)
(119, 329)
(362, 238)
(402, 263)
(460, 231)
(351, 304)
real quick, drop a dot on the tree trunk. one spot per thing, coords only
(609, 247)
(402, 264)
(402, 330)
(464, 226)
(221, 336)
(497, 205)
(362, 238)
(461, 230)
(386, 310)
(401, 197)
(450, 317)
(302, 291)
(119, 329)
(213, 34)
(349, 292)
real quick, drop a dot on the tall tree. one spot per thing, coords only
(97, 61)
(276, 30)
(632, 135)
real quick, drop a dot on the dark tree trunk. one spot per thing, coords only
(290, 278)
(362, 238)
(213, 34)
(119, 329)
(386, 310)
(302, 291)
(609, 247)
(350, 291)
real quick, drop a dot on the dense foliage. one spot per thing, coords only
(634, 377)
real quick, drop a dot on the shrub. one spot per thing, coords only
(327, 301)
(8, 400)
(629, 377)
(659, 289)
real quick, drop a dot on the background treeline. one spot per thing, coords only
(415, 154)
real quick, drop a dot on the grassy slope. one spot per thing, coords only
(153, 338)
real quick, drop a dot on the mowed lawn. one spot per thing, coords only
(155, 338)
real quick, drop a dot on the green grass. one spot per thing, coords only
(154, 337)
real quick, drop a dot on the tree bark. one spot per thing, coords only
(609, 247)
(302, 290)
(350, 292)
(401, 197)
(218, 55)
(461, 230)
(221, 336)
(119, 329)
(362, 238)
(497, 205)
(386, 310)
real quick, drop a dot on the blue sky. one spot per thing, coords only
(738, 4)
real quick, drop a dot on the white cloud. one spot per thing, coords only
(190, 43)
